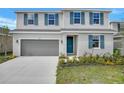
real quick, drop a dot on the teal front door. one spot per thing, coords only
(70, 44)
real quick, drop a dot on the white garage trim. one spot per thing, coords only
(19, 42)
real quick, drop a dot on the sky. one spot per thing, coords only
(8, 16)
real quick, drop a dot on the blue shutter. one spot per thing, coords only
(102, 41)
(36, 19)
(91, 17)
(25, 19)
(82, 18)
(57, 19)
(46, 19)
(71, 17)
(90, 41)
(101, 18)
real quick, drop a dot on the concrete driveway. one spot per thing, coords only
(29, 70)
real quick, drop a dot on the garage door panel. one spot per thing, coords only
(40, 47)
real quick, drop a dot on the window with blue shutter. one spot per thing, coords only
(36, 19)
(118, 27)
(91, 18)
(71, 17)
(102, 45)
(46, 19)
(52, 19)
(25, 19)
(76, 17)
(90, 41)
(31, 19)
(96, 18)
(102, 18)
(96, 41)
(82, 18)
(57, 19)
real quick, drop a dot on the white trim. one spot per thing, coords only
(19, 42)
(28, 32)
(60, 11)
(88, 32)
(94, 32)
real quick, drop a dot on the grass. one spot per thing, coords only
(91, 74)
(6, 58)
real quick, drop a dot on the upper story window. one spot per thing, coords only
(30, 19)
(118, 27)
(51, 19)
(77, 17)
(96, 18)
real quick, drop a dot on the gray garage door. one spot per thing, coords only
(39, 47)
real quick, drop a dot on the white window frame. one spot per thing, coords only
(75, 17)
(98, 43)
(96, 18)
(31, 14)
(51, 19)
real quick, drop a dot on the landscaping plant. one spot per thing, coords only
(87, 59)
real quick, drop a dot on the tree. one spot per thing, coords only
(5, 32)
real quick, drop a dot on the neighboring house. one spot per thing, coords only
(68, 31)
(119, 37)
(9, 42)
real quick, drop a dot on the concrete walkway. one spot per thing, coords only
(29, 70)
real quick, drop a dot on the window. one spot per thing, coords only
(118, 27)
(51, 19)
(77, 17)
(95, 41)
(96, 18)
(30, 18)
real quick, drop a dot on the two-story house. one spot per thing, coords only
(67, 31)
(119, 37)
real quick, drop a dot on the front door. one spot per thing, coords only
(69, 44)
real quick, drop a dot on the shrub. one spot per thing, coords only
(75, 60)
(81, 59)
(106, 59)
(69, 60)
(63, 56)
(119, 61)
(100, 60)
(116, 53)
(5, 58)
(109, 63)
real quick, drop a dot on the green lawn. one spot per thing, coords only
(6, 58)
(91, 74)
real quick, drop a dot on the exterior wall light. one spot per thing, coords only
(16, 41)
(61, 41)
